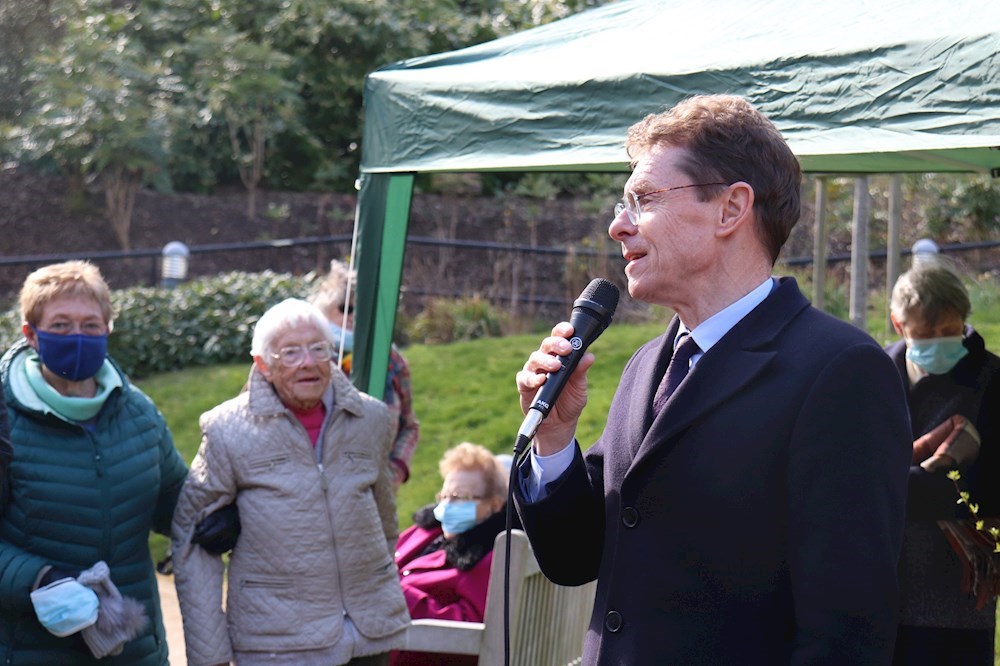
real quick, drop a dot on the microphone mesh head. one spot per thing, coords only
(603, 292)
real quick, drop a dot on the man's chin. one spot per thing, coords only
(634, 289)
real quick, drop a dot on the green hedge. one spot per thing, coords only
(202, 322)
(210, 321)
(445, 320)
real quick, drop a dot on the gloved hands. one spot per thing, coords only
(90, 603)
(65, 606)
(120, 619)
(952, 443)
(218, 532)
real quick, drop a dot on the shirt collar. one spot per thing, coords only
(710, 331)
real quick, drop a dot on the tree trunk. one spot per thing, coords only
(257, 162)
(120, 187)
(251, 169)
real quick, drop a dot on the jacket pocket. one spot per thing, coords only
(383, 610)
(358, 458)
(361, 467)
(262, 606)
(268, 463)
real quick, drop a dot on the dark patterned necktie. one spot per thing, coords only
(677, 370)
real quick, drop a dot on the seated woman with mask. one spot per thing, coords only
(953, 390)
(444, 559)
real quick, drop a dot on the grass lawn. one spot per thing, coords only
(481, 408)
(465, 392)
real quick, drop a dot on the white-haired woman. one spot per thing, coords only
(304, 456)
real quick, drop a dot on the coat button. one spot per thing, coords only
(630, 517)
(613, 621)
(406, 572)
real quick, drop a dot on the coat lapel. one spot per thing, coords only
(727, 368)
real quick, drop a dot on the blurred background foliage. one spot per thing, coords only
(197, 95)
(199, 323)
(207, 95)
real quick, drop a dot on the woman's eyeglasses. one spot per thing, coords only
(291, 357)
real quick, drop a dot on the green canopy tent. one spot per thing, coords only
(856, 87)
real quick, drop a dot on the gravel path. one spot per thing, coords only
(172, 620)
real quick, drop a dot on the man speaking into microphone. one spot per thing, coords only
(745, 502)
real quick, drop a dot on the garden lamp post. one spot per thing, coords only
(174, 265)
(923, 250)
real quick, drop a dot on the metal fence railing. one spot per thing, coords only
(299, 255)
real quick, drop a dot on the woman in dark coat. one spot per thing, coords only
(953, 391)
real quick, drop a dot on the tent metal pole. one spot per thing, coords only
(892, 249)
(819, 246)
(383, 217)
(859, 253)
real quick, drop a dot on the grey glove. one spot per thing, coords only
(119, 619)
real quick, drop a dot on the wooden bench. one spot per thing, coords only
(548, 621)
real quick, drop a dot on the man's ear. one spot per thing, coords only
(737, 208)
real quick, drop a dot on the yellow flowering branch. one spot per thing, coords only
(965, 498)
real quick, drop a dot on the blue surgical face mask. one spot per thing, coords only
(340, 334)
(936, 356)
(456, 516)
(65, 606)
(72, 357)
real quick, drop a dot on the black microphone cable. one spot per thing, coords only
(515, 463)
(592, 313)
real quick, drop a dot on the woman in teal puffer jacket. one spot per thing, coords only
(94, 469)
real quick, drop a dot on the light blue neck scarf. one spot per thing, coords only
(71, 408)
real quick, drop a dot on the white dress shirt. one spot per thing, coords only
(545, 469)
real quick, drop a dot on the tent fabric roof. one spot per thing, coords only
(856, 86)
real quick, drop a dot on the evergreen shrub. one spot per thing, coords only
(201, 322)
(446, 320)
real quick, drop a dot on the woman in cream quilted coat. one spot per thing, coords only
(304, 456)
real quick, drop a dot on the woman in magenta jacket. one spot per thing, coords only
(444, 558)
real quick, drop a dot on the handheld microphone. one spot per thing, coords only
(592, 314)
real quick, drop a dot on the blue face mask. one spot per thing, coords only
(456, 516)
(342, 334)
(72, 357)
(936, 355)
(65, 606)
